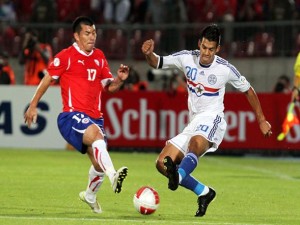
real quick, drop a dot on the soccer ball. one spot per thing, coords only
(146, 200)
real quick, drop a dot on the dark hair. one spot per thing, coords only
(76, 26)
(282, 82)
(285, 78)
(211, 33)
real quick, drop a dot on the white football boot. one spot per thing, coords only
(95, 206)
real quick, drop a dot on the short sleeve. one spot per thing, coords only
(237, 80)
(58, 65)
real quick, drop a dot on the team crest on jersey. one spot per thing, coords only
(56, 62)
(199, 90)
(85, 120)
(212, 79)
(97, 62)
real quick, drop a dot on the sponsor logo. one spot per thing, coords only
(81, 61)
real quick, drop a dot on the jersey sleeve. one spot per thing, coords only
(171, 61)
(297, 66)
(107, 76)
(58, 65)
(237, 80)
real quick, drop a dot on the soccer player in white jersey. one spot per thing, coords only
(206, 75)
(83, 74)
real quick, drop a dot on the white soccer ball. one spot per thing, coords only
(146, 200)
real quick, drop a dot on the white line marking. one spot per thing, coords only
(256, 169)
(131, 221)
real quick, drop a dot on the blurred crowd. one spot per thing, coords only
(149, 11)
(118, 12)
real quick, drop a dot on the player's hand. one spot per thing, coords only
(295, 94)
(265, 128)
(148, 47)
(30, 116)
(123, 72)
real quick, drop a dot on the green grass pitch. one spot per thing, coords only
(41, 187)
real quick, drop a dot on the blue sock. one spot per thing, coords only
(192, 184)
(187, 165)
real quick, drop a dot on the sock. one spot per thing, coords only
(205, 191)
(187, 165)
(195, 186)
(102, 157)
(95, 180)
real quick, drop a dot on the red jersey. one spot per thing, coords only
(82, 78)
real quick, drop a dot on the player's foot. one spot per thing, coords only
(94, 205)
(204, 200)
(172, 173)
(118, 179)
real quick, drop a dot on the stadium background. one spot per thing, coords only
(262, 48)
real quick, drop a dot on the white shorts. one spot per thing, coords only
(211, 127)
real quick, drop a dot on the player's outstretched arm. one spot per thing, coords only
(122, 75)
(264, 125)
(151, 57)
(296, 89)
(30, 115)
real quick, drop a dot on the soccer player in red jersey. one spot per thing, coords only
(83, 74)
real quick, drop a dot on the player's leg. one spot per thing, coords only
(171, 156)
(167, 162)
(205, 194)
(94, 137)
(82, 132)
(198, 145)
(72, 126)
(168, 151)
(208, 134)
(198, 135)
(95, 180)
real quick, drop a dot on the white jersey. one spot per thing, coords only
(205, 84)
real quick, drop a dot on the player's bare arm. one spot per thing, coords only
(147, 49)
(264, 125)
(30, 115)
(122, 75)
(296, 89)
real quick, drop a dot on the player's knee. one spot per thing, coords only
(198, 145)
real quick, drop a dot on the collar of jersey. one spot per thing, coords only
(205, 66)
(80, 51)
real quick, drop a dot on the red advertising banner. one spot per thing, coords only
(148, 119)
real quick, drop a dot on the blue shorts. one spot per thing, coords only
(72, 126)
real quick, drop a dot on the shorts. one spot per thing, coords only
(211, 127)
(72, 126)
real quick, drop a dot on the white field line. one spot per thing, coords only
(118, 220)
(256, 169)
